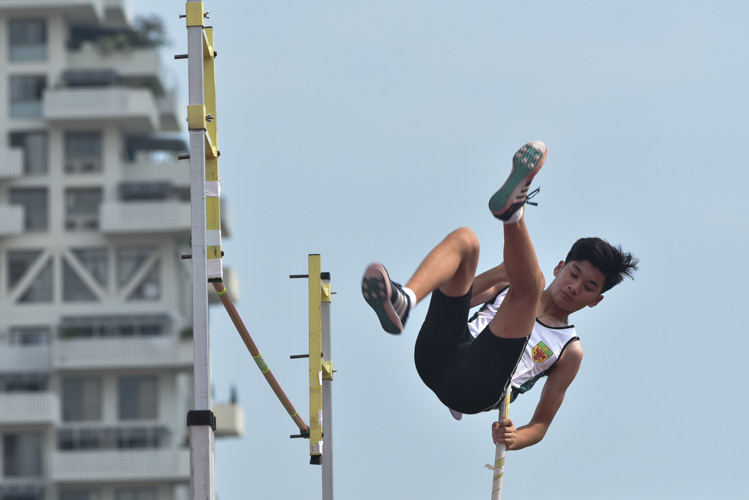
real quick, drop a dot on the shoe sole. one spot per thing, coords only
(526, 163)
(376, 289)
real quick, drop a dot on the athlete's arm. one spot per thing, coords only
(488, 284)
(552, 395)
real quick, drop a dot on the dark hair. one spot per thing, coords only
(611, 261)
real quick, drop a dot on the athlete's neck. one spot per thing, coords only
(549, 314)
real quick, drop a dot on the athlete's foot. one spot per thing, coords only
(513, 194)
(389, 301)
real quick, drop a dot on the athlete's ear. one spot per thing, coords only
(596, 301)
(558, 268)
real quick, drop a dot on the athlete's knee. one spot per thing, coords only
(530, 287)
(467, 241)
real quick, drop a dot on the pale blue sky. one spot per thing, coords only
(367, 130)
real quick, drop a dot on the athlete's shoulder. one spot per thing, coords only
(572, 353)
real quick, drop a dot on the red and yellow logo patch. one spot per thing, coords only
(541, 352)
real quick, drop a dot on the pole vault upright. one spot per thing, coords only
(320, 372)
(205, 237)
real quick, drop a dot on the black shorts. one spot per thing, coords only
(468, 375)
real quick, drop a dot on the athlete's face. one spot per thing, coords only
(576, 284)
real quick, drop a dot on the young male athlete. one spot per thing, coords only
(522, 330)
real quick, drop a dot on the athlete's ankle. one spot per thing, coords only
(411, 296)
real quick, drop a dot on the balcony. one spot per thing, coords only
(25, 359)
(85, 11)
(120, 465)
(119, 353)
(131, 108)
(11, 163)
(144, 217)
(29, 408)
(135, 62)
(171, 116)
(176, 172)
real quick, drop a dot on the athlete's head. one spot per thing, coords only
(611, 261)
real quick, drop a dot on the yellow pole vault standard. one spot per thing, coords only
(499, 452)
(234, 315)
(317, 293)
(212, 184)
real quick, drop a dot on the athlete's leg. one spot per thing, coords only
(449, 267)
(517, 313)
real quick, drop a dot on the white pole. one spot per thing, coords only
(201, 436)
(327, 402)
(499, 452)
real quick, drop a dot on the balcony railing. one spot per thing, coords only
(176, 172)
(25, 359)
(11, 162)
(140, 62)
(136, 352)
(75, 10)
(132, 108)
(146, 217)
(120, 465)
(29, 408)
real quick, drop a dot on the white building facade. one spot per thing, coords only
(95, 299)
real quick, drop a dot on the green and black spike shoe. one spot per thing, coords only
(387, 298)
(513, 194)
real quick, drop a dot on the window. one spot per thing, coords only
(40, 289)
(73, 287)
(23, 382)
(19, 263)
(81, 399)
(28, 40)
(34, 146)
(30, 335)
(34, 203)
(129, 260)
(26, 96)
(83, 152)
(135, 494)
(78, 495)
(144, 191)
(114, 326)
(150, 287)
(21, 491)
(137, 398)
(82, 208)
(22, 454)
(96, 262)
(112, 438)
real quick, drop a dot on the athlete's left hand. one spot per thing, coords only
(504, 432)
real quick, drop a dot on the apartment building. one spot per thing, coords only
(95, 299)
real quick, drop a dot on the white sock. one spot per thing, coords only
(411, 296)
(514, 218)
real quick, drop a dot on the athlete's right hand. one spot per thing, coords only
(504, 432)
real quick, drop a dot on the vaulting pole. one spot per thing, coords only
(499, 453)
(242, 329)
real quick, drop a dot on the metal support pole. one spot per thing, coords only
(327, 394)
(202, 483)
